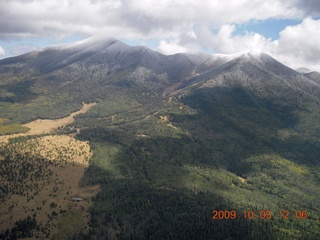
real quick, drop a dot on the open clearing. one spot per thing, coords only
(40, 178)
(45, 126)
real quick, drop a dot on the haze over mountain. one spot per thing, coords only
(175, 137)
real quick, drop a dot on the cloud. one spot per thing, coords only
(226, 42)
(299, 45)
(22, 48)
(309, 7)
(129, 18)
(184, 42)
(2, 52)
(170, 47)
(222, 42)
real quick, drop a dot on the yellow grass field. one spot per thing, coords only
(44, 126)
(47, 126)
(11, 128)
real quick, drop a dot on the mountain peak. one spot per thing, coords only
(96, 39)
(102, 40)
(256, 52)
(303, 70)
(257, 56)
(254, 55)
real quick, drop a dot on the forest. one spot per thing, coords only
(163, 179)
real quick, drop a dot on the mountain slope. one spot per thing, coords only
(314, 76)
(261, 73)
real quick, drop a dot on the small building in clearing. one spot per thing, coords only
(76, 199)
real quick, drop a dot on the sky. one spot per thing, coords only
(288, 30)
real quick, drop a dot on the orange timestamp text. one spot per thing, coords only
(263, 214)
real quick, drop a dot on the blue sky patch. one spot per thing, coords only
(269, 28)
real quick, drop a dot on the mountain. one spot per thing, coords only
(180, 143)
(109, 56)
(89, 69)
(314, 76)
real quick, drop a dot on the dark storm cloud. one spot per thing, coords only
(309, 7)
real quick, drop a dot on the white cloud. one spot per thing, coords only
(222, 42)
(2, 52)
(225, 42)
(170, 47)
(20, 49)
(299, 45)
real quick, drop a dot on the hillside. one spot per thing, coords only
(174, 138)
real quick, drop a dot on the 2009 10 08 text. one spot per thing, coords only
(263, 214)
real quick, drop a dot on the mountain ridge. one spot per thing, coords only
(66, 54)
(98, 44)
